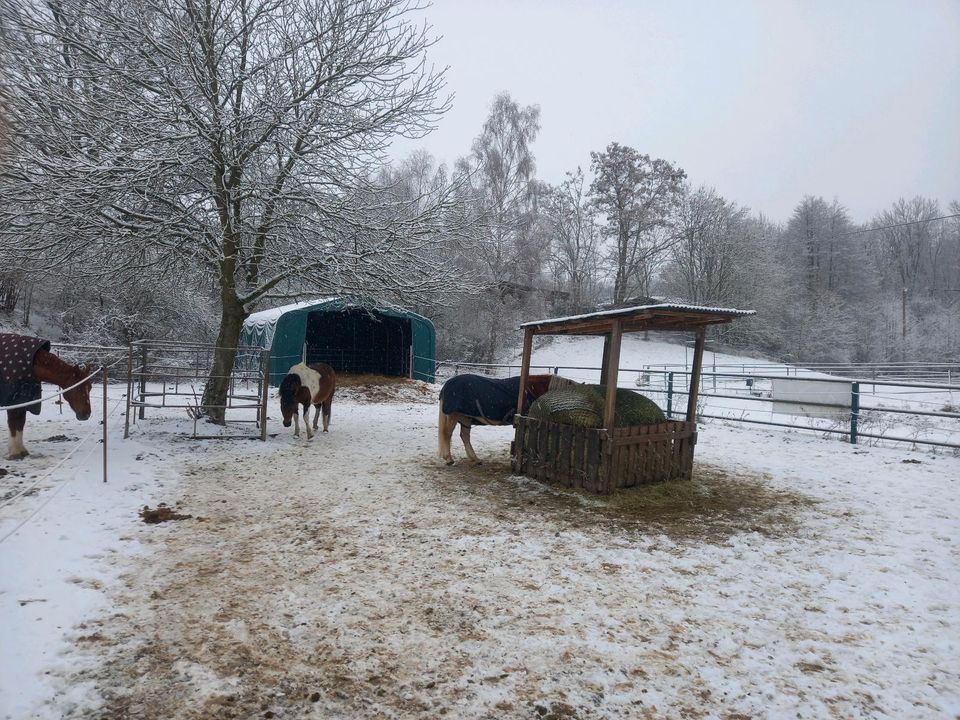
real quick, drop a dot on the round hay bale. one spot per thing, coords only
(568, 406)
(582, 405)
(632, 407)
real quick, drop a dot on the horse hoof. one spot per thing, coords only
(449, 462)
(18, 456)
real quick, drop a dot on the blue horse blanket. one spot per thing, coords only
(17, 384)
(491, 399)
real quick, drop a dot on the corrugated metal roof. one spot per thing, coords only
(641, 309)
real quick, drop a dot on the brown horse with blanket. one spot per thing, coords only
(470, 400)
(25, 362)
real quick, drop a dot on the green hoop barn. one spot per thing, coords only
(347, 336)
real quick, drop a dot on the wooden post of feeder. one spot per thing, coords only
(695, 375)
(524, 367)
(611, 366)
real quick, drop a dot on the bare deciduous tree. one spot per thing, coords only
(575, 241)
(637, 194)
(234, 136)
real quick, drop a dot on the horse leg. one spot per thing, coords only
(306, 419)
(444, 435)
(465, 436)
(327, 406)
(316, 416)
(16, 419)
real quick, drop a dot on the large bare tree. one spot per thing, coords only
(637, 194)
(233, 137)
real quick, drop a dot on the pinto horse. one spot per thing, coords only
(470, 400)
(25, 362)
(305, 385)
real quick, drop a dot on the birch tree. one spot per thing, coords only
(501, 175)
(237, 137)
(575, 241)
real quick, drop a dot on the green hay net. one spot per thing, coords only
(582, 405)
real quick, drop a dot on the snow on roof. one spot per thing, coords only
(273, 314)
(619, 312)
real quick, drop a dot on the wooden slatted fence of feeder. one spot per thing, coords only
(608, 458)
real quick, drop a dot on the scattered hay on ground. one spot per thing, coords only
(162, 513)
(711, 507)
(383, 388)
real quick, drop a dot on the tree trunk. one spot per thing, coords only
(218, 383)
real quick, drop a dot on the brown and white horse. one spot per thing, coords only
(48, 368)
(305, 385)
(470, 400)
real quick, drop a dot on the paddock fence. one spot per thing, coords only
(169, 374)
(913, 403)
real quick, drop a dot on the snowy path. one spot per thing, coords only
(353, 576)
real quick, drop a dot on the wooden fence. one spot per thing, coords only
(594, 460)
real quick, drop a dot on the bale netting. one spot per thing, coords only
(582, 406)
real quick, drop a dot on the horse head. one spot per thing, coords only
(537, 385)
(288, 397)
(79, 397)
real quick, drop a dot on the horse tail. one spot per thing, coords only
(443, 440)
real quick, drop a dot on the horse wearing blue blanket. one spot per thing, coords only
(470, 400)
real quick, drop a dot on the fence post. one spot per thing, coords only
(854, 411)
(143, 381)
(556, 370)
(126, 417)
(669, 395)
(265, 381)
(104, 369)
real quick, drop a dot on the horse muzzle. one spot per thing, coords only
(85, 415)
(286, 423)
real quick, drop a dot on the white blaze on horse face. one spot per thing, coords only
(309, 377)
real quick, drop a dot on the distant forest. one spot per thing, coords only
(147, 191)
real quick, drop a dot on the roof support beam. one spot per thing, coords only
(525, 367)
(695, 375)
(611, 367)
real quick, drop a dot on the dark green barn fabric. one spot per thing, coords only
(582, 405)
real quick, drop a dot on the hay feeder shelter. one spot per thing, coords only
(609, 458)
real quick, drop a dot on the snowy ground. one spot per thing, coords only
(355, 576)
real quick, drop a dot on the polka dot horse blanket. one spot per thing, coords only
(483, 398)
(17, 384)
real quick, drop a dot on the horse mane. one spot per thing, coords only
(557, 382)
(49, 367)
(288, 388)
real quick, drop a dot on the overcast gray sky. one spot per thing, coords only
(766, 101)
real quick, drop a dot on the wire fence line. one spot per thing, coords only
(874, 409)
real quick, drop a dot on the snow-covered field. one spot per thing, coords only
(356, 576)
